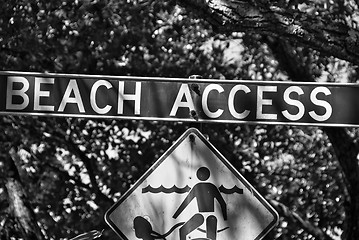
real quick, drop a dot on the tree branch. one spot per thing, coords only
(18, 200)
(345, 148)
(347, 151)
(61, 137)
(329, 37)
(289, 60)
(295, 218)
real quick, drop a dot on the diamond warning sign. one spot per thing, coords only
(192, 192)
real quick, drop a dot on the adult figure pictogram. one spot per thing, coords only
(205, 194)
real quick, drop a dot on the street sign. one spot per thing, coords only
(179, 99)
(192, 192)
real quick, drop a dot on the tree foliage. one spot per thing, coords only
(71, 171)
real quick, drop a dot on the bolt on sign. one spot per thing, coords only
(178, 99)
(192, 192)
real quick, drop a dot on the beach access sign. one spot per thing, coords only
(179, 99)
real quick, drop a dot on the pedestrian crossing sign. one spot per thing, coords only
(192, 192)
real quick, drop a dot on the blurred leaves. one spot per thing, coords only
(74, 169)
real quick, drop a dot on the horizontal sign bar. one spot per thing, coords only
(175, 99)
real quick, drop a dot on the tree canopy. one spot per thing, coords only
(59, 175)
